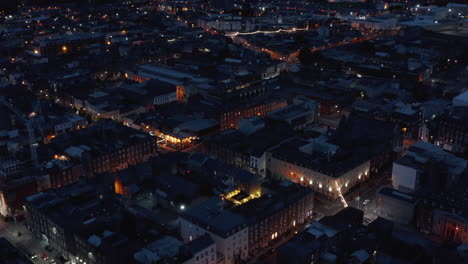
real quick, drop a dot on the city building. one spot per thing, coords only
(106, 146)
(426, 164)
(443, 214)
(242, 224)
(318, 164)
(396, 205)
(449, 129)
(298, 115)
(227, 229)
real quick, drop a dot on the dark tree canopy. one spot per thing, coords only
(307, 57)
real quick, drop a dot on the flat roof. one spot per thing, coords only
(397, 195)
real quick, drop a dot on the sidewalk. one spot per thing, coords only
(27, 242)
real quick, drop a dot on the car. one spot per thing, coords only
(44, 256)
(366, 202)
(32, 256)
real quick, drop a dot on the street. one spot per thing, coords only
(26, 242)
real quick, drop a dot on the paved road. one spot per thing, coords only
(27, 242)
(366, 191)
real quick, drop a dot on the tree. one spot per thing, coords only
(9, 6)
(367, 47)
(307, 57)
(300, 39)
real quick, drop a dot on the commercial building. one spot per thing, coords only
(227, 229)
(318, 164)
(326, 240)
(298, 115)
(426, 164)
(396, 205)
(450, 129)
(242, 224)
(231, 115)
(443, 214)
(65, 219)
(106, 146)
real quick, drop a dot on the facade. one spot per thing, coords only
(443, 215)
(165, 98)
(299, 115)
(68, 123)
(252, 224)
(449, 130)
(200, 251)
(376, 23)
(280, 210)
(106, 146)
(426, 164)
(395, 205)
(450, 226)
(230, 118)
(83, 223)
(62, 172)
(228, 230)
(13, 193)
(246, 148)
(318, 165)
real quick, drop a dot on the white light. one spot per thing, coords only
(302, 178)
(310, 182)
(320, 185)
(182, 207)
(359, 176)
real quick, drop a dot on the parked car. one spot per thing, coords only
(366, 202)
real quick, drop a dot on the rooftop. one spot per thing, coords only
(334, 165)
(397, 195)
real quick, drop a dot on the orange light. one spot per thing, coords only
(36, 52)
(64, 48)
(118, 187)
(108, 42)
